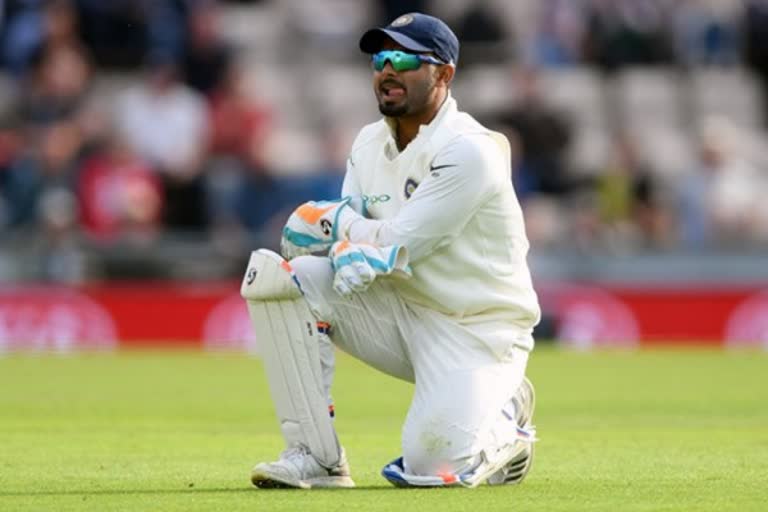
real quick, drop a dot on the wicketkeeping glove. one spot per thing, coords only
(356, 266)
(315, 226)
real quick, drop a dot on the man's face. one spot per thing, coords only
(404, 93)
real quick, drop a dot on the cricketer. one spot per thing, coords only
(419, 270)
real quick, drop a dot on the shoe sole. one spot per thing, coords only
(516, 470)
(270, 483)
(519, 469)
(264, 481)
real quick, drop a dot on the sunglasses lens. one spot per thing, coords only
(379, 61)
(400, 61)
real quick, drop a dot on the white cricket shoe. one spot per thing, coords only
(297, 468)
(517, 468)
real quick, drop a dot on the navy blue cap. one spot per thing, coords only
(416, 32)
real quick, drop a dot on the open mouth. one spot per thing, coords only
(391, 91)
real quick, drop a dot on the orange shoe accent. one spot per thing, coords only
(448, 478)
(312, 214)
(286, 266)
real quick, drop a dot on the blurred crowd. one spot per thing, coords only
(188, 147)
(178, 150)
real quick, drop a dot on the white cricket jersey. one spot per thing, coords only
(448, 198)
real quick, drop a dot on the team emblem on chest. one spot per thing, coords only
(410, 187)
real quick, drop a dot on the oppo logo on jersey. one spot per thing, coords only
(382, 198)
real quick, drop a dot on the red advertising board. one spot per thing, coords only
(591, 315)
(213, 315)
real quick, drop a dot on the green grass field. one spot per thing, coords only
(662, 430)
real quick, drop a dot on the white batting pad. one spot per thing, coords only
(288, 337)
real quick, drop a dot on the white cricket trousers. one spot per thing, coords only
(460, 384)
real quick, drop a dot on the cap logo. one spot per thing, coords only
(403, 20)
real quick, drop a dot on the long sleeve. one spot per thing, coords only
(448, 199)
(463, 177)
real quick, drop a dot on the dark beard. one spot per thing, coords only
(415, 102)
(393, 110)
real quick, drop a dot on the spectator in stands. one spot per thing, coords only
(629, 202)
(46, 167)
(483, 36)
(166, 123)
(120, 196)
(559, 38)
(706, 32)
(722, 200)
(239, 128)
(167, 25)
(627, 32)
(10, 144)
(544, 134)
(755, 36)
(37, 26)
(54, 87)
(61, 25)
(116, 31)
(240, 123)
(22, 34)
(57, 88)
(123, 32)
(207, 56)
